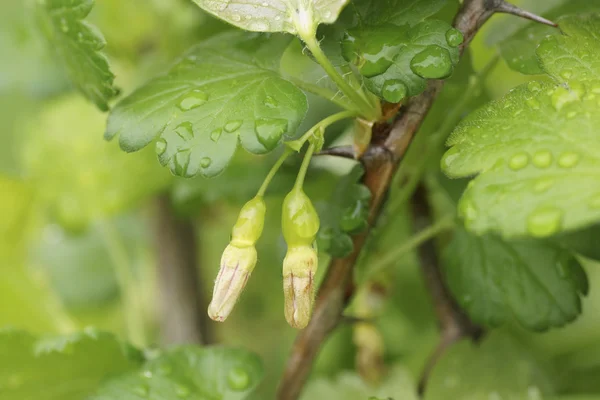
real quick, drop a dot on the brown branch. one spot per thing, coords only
(182, 305)
(508, 8)
(338, 151)
(381, 161)
(454, 324)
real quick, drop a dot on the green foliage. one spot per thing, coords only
(191, 373)
(78, 44)
(223, 91)
(536, 146)
(500, 367)
(344, 215)
(537, 283)
(398, 384)
(62, 368)
(87, 179)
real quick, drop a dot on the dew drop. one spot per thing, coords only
(270, 102)
(192, 100)
(269, 130)
(533, 103)
(236, 18)
(432, 63)
(182, 391)
(542, 159)
(518, 161)
(534, 86)
(205, 162)
(568, 159)
(233, 125)
(595, 202)
(216, 134)
(566, 74)
(160, 147)
(454, 37)
(182, 161)
(185, 131)
(543, 185)
(544, 221)
(562, 96)
(375, 64)
(238, 379)
(394, 90)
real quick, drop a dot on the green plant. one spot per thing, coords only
(386, 100)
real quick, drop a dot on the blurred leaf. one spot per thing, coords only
(519, 48)
(80, 177)
(275, 15)
(191, 373)
(62, 368)
(537, 282)
(77, 44)
(27, 301)
(223, 91)
(399, 384)
(584, 241)
(497, 368)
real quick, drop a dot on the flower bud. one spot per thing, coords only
(299, 269)
(238, 259)
(300, 224)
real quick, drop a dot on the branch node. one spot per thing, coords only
(508, 8)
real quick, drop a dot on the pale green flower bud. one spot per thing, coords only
(300, 224)
(238, 260)
(299, 269)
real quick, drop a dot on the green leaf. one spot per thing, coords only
(62, 368)
(78, 45)
(537, 145)
(345, 214)
(79, 177)
(536, 282)
(292, 16)
(497, 368)
(519, 48)
(398, 384)
(398, 60)
(583, 241)
(223, 91)
(191, 373)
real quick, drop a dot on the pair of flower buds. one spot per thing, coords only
(300, 224)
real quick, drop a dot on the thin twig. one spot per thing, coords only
(454, 324)
(508, 8)
(338, 151)
(381, 161)
(183, 317)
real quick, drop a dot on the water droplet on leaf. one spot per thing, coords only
(232, 126)
(182, 161)
(160, 147)
(238, 379)
(259, 26)
(192, 100)
(544, 221)
(534, 86)
(432, 63)
(568, 159)
(563, 96)
(216, 134)
(270, 102)
(205, 162)
(269, 131)
(185, 131)
(542, 159)
(566, 74)
(394, 90)
(518, 161)
(454, 37)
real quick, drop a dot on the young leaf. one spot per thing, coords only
(88, 179)
(536, 282)
(292, 16)
(63, 368)
(77, 44)
(498, 368)
(189, 372)
(397, 61)
(224, 91)
(536, 146)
